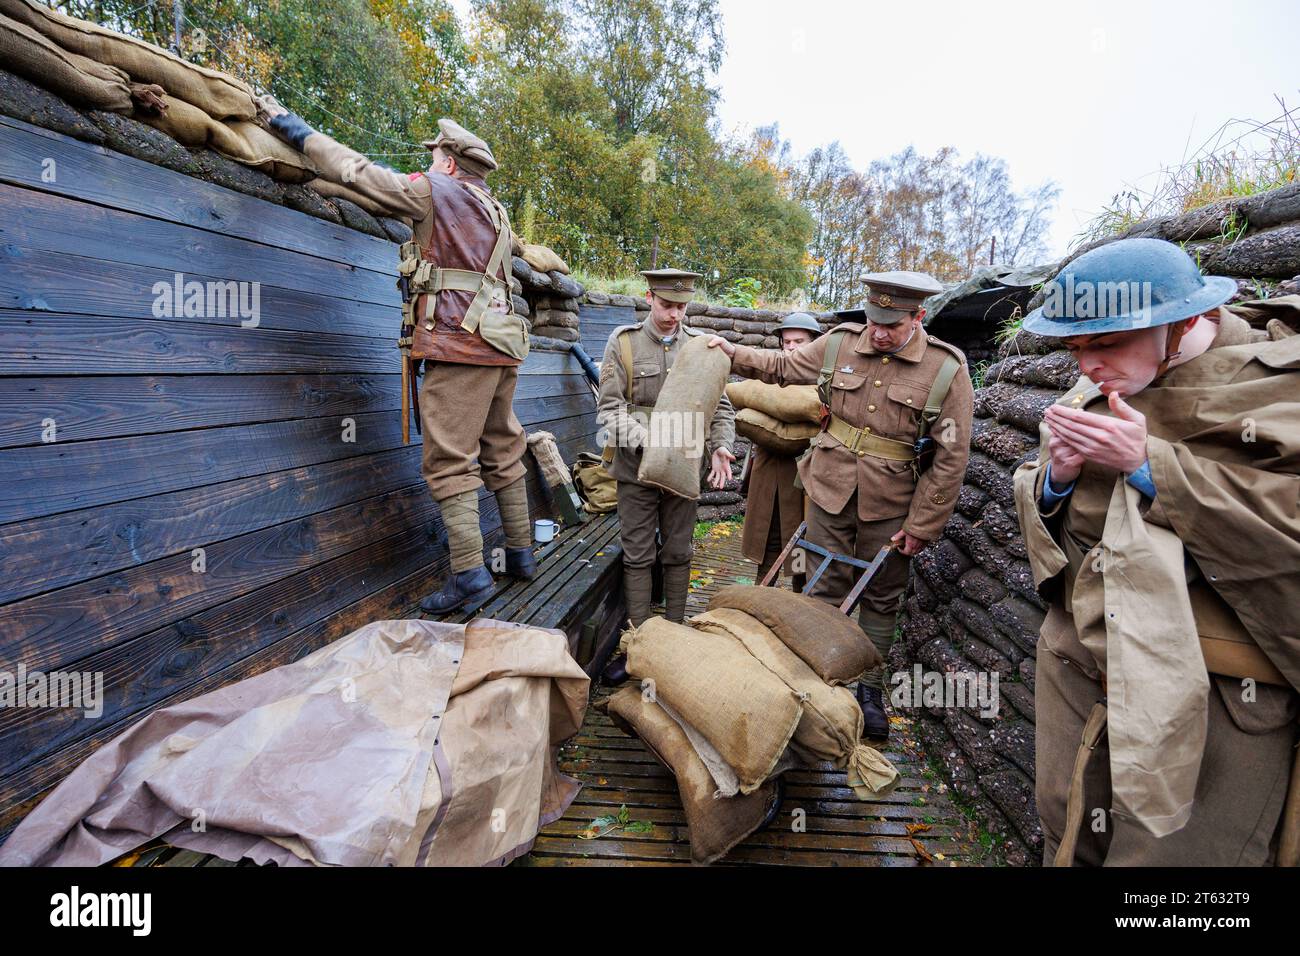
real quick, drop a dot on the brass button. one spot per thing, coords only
(885, 360)
(878, 383)
(940, 497)
(871, 408)
(861, 453)
(909, 401)
(429, 326)
(867, 430)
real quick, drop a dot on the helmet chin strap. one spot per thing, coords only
(1173, 339)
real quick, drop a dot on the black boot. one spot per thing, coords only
(520, 563)
(775, 809)
(615, 671)
(460, 588)
(875, 720)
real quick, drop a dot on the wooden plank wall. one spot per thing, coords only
(598, 321)
(177, 434)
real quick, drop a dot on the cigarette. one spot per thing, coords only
(1087, 396)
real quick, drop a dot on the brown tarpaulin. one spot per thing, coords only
(406, 743)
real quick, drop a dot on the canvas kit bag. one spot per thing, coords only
(781, 438)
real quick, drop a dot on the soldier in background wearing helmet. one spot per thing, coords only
(1162, 528)
(774, 505)
(471, 435)
(887, 385)
(654, 524)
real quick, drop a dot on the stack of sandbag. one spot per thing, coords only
(778, 418)
(751, 688)
(679, 425)
(89, 65)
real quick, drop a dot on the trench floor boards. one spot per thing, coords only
(916, 825)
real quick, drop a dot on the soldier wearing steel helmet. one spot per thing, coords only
(774, 503)
(1161, 523)
(888, 465)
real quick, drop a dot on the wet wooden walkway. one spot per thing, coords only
(915, 825)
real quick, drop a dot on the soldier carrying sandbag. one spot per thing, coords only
(632, 374)
(774, 502)
(457, 319)
(1162, 528)
(889, 462)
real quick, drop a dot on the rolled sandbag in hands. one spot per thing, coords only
(785, 403)
(679, 424)
(786, 439)
(829, 642)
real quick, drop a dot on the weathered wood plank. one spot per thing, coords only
(86, 407)
(90, 173)
(139, 674)
(53, 630)
(39, 222)
(33, 343)
(39, 282)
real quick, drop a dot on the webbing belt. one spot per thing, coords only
(861, 442)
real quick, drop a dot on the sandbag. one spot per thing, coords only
(79, 80)
(714, 825)
(217, 94)
(786, 403)
(543, 259)
(742, 708)
(596, 486)
(244, 142)
(780, 438)
(831, 727)
(679, 425)
(829, 642)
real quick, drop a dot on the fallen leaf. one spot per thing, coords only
(921, 851)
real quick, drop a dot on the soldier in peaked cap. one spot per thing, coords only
(459, 322)
(888, 464)
(774, 503)
(632, 373)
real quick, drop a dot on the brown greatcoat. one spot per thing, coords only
(885, 393)
(452, 229)
(1224, 450)
(771, 492)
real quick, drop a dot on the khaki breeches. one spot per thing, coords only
(471, 435)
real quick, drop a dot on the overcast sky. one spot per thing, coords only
(1094, 94)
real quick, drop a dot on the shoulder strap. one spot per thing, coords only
(625, 354)
(488, 281)
(939, 392)
(833, 340)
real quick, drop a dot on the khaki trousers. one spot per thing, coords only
(1239, 794)
(844, 534)
(643, 510)
(471, 435)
